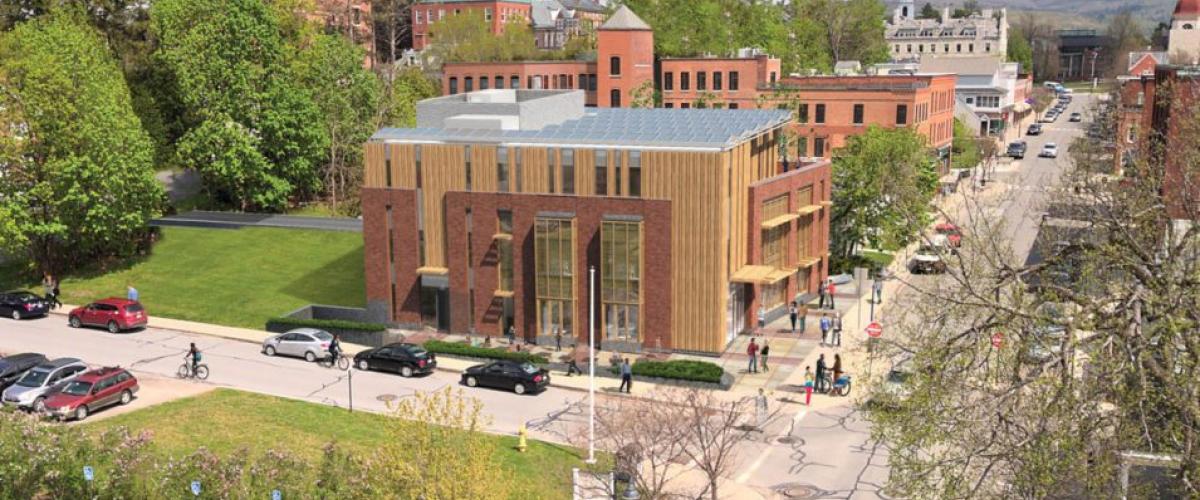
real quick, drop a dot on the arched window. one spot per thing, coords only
(615, 96)
(614, 65)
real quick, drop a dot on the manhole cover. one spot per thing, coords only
(387, 398)
(796, 490)
(786, 440)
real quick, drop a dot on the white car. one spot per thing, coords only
(929, 256)
(31, 390)
(309, 343)
(1050, 150)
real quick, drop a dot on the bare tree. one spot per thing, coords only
(714, 429)
(649, 440)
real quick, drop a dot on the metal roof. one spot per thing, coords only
(714, 129)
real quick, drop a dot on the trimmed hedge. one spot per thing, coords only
(326, 324)
(467, 350)
(680, 369)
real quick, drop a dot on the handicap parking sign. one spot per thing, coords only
(196, 488)
(88, 473)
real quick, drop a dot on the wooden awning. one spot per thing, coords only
(808, 209)
(808, 262)
(828, 203)
(504, 294)
(760, 275)
(433, 271)
(502, 236)
(779, 221)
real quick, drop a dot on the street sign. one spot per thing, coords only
(276, 495)
(88, 473)
(997, 339)
(874, 330)
(196, 488)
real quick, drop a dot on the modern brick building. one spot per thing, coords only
(490, 213)
(831, 109)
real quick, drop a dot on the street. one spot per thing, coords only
(804, 452)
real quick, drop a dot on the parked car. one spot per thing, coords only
(952, 233)
(895, 387)
(115, 314)
(1076, 117)
(518, 377)
(928, 258)
(92, 391)
(29, 393)
(21, 304)
(1035, 129)
(1017, 149)
(309, 343)
(14, 367)
(1047, 118)
(403, 358)
(1050, 150)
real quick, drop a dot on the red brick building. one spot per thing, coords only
(717, 82)
(1153, 115)
(496, 13)
(349, 18)
(493, 212)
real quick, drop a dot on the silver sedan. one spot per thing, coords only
(310, 343)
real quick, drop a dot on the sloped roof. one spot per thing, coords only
(624, 19)
(1136, 58)
(543, 13)
(584, 5)
(980, 65)
(1187, 7)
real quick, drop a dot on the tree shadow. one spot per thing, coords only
(344, 273)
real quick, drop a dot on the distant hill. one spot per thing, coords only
(1150, 11)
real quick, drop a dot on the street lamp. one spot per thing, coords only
(591, 459)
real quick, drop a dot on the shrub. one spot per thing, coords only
(335, 324)
(682, 369)
(465, 349)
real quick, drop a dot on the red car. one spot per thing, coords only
(92, 391)
(952, 233)
(114, 314)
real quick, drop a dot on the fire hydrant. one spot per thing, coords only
(521, 435)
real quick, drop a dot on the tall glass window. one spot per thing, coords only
(504, 249)
(617, 160)
(601, 172)
(502, 169)
(568, 171)
(621, 279)
(635, 174)
(555, 267)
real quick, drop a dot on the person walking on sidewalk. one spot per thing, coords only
(766, 350)
(131, 293)
(821, 372)
(792, 313)
(557, 339)
(825, 324)
(837, 367)
(760, 409)
(752, 352)
(822, 292)
(837, 330)
(831, 289)
(808, 385)
(877, 288)
(762, 317)
(802, 312)
(626, 377)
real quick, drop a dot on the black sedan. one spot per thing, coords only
(515, 376)
(403, 358)
(22, 304)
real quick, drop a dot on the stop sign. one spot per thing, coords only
(997, 339)
(874, 330)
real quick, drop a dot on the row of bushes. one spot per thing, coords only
(324, 324)
(468, 350)
(681, 369)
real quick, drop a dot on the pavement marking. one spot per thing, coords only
(762, 457)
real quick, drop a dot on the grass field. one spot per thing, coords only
(226, 420)
(230, 277)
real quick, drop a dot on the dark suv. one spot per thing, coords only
(91, 391)
(403, 358)
(13, 367)
(1017, 149)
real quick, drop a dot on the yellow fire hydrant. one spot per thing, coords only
(521, 435)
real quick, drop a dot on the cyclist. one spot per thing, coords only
(335, 349)
(194, 356)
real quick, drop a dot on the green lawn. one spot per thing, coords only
(233, 277)
(226, 420)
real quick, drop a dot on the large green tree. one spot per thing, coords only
(852, 29)
(229, 63)
(468, 37)
(78, 177)
(883, 180)
(1019, 50)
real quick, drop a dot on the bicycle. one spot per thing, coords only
(185, 371)
(342, 362)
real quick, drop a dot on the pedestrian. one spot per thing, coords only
(762, 317)
(557, 339)
(877, 287)
(626, 377)
(808, 385)
(821, 372)
(512, 334)
(792, 313)
(766, 350)
(760, 409)
(573, 367)
(803, 313)
(825, 325)
(50, 286)
(822, 290)
(831, 290)
(752, 352)
(57, 293)
(131, 293)
(837, 367)
(837, 330)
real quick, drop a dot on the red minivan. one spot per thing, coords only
(114, 314)
(91, 391)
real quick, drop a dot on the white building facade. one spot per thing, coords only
(911, 39)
